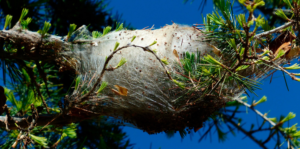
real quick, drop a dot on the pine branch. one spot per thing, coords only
(274, 125)
(244, 131)
(50, 46)
(43, 120)
(256, 111)
(32, 39)
(275, 30)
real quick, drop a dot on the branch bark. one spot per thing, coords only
(49, 47)
(42, 121)
(274, 30)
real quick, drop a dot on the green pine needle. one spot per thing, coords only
(273, 119)
(211, 60)
(293, 67)
(241, 19)
(165, 61)
(106, 30)
(296, 74)
(281, 14)
(242, 67)
(154, 50)
(121, 62)
(263, 99)
(280, 53)
(153, 43)
(7, 21)
(297, 134)
(232, 43)
(25, 23)
(23, 14)
(70, 131)
(102, 87)
(133, 38)
(96, 34)
(71, 30)
(116, 46)
(288, 3)
(45, 29)
(290, 116)
(179, 84)
(119, 26)
(78, 79)
(242, 1)
(258, 3)
(40, 140)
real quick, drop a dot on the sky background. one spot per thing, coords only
(141, 14)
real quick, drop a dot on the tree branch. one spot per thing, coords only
(256, 111)
(245, 132)
(274, 30)
(42, 120)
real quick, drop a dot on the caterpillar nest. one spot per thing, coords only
(165, 83)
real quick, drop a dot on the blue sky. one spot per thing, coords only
(141, 14)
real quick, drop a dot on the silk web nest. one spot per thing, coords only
(140, 91)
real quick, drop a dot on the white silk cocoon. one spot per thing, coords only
(142, 75)
(150, 102)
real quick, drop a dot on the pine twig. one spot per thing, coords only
(7, 118)
(256, 111)
(35, 116)
(244, 131)
(282, 69)
(263, 116)
(43, 75)
(274, 30)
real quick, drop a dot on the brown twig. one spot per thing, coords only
(282, 69)
(35, 116)
(17, 140)
(218, 82)
(42, 75)
(8, 118)
(42, 121)
(244, 131)
(269, 137)
(54, 118)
